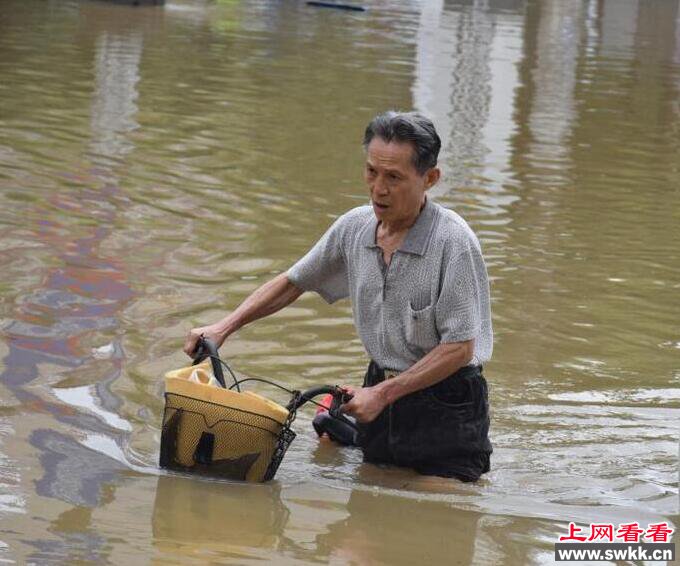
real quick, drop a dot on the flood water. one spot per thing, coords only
(157, 164)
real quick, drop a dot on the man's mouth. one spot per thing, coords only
(380, 205)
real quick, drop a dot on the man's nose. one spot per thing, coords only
(380, 186)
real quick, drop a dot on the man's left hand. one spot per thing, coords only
(366, 404)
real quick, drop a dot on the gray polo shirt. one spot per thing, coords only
(435, 289)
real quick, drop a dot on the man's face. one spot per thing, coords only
(396, 188)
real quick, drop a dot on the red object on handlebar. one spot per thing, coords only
(325, 404)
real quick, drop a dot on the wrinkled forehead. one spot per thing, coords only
(392, 154)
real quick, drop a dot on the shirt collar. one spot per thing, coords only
(417, 237)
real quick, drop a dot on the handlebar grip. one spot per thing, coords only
(207, 348)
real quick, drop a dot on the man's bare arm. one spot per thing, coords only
(437, 364)
(267, 299)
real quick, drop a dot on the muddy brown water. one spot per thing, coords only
(157, 164)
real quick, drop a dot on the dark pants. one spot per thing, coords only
(441, 430)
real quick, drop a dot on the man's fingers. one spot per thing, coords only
(347, 407)
(190, 343)
(347, 392)
(188, 347)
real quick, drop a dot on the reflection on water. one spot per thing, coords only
(381, 533)
(114, 107)
(559, 38)
(193, 517)
(154, 164)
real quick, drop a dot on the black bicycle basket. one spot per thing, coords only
(224, 433)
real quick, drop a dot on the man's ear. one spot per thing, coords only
(432, 177)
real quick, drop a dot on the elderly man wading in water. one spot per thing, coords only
(415, 275)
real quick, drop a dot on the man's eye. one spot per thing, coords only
(393, 177)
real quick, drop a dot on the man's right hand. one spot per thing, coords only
(212, 332)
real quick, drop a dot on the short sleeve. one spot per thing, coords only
(324, 268)
(459, 308)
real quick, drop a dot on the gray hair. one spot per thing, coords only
(408, 127)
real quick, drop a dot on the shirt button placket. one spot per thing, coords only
(385, 311)
(385, 270)
(386, 276)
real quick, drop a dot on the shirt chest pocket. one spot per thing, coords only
(421, 328)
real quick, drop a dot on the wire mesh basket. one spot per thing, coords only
(219, 432)
(211, 429)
